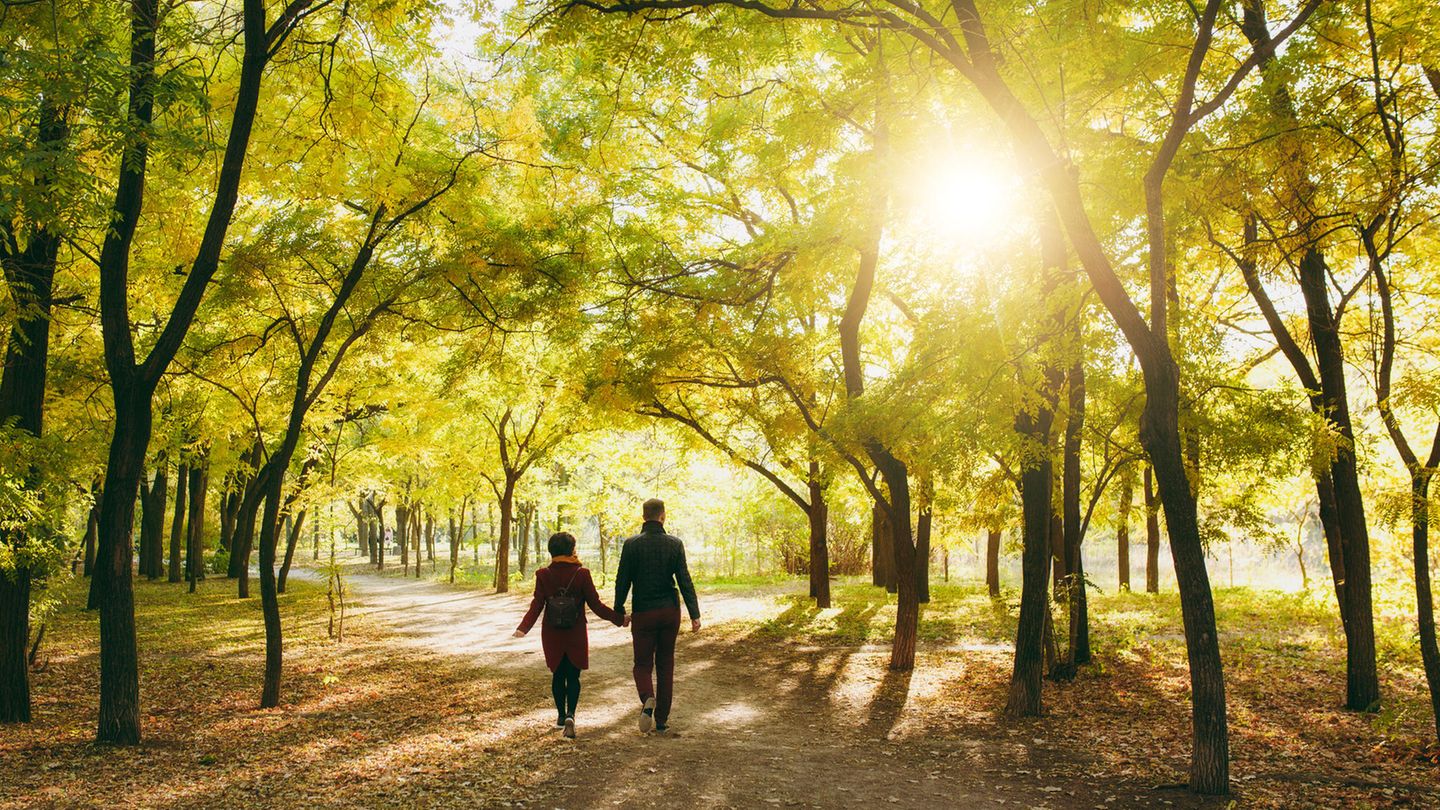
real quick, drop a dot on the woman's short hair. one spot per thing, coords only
(561, 544)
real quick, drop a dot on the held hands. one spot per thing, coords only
(517, 634)
(625, 622)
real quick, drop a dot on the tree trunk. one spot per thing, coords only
(523, 539)
(905, 573)
(502, 549)
(1152, 534)
(454, 542)
(1424, 598)
(1160, 435)
(1362, 687)
(1122, 527)
(818, 515)
(177, 525)
(152, 523)
(430, 538)
(119, 716)
(14, 635)
(195, 549)
(92, 532)
(269, 598)
(244, 542)
(415, 536)
(884, 549)
(922, 555)
(30, 275)
(1076, 598)
(377, 533)
(1334, 547)
(290, 544)
(604, 543)
(1036, 485)
(402, 535)
(992, 561)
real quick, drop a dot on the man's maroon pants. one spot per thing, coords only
(653, 634)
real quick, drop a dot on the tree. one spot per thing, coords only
(133, 383)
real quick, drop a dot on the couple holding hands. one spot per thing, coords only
(652, 565)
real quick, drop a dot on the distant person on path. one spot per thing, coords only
(562, 590)
(652, 563)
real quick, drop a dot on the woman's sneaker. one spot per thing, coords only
(647, 715)
(559, 722)
(570, 727)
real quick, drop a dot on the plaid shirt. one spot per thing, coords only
(652, 563)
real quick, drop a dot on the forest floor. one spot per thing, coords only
(429, 703)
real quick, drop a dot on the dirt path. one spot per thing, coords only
(758, 726)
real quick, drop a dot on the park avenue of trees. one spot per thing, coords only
(885, 294)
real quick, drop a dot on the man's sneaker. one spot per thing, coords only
(647, 715)
(559, 722)
(570, 727)
(666, 730)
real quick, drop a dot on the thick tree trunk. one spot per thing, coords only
(14, 634)
(1036, 486)
(1362, 684)
(269, 598)
(992, 561)
(1152, 534)
(1160, 434)
(30, 275)
(119, 716)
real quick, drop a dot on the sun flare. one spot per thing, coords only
(967, 200)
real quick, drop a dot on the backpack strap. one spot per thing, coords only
(566, 589)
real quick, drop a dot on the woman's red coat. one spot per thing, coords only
(573, 642)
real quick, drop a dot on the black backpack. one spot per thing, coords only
(562, 610)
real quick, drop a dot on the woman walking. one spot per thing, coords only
(562, 590)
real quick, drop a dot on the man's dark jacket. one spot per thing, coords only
(652, 563)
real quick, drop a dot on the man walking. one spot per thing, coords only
(653, 564)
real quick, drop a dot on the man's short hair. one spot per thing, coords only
(653, 509)
(562, 544)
